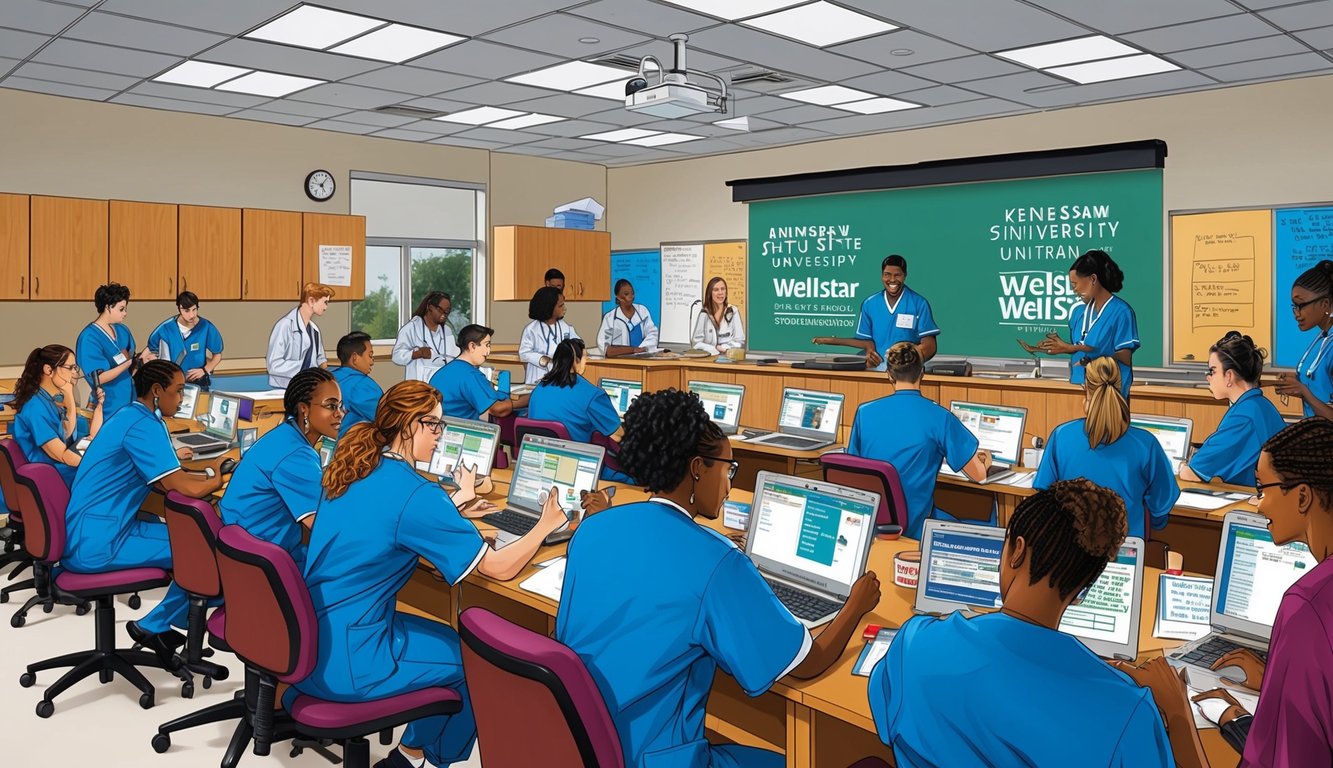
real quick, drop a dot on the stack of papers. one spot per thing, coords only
(548, 581)
(1207, 501)
(1020, 479)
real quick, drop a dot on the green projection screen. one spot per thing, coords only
(991, 257)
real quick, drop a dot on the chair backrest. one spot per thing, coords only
(516, 675)
(869, 475)
(524, 426)
(11, 458)
(43, 497)
(193, 525)
(612, 451)
(270, 617)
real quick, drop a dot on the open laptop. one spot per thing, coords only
(807, 420)
(998, 429)
(1172, 432)
(622, 393)
(1252, 575)
(472, 442)
(219, 428)
(189, 402)
(722, 402)
(1106, 616)
(810, 540)
(543, 463)
(960, 568)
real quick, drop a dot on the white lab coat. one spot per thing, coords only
(416, 335)
(540, 340)
(287, 345)
(615, 329)
(718, 339)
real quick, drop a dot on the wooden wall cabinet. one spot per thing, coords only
(209, 252)
(335, 229)
(523, 254)
(270, 255)
(14, 240)
(143, 249)
(68, 256)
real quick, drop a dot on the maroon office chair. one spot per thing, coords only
(11, 458)
(523, 426)
(43, 498)
(516, 675)
(869, 475)
(271, 626)
(612, 446)
(506, 438)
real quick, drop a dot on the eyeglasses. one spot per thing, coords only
(333, 405)
(1297, 306)
(72, 368)
(731, 468)
(1211, 372)
(1259, 488)
(436, 426)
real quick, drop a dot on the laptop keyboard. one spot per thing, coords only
(511, 521)
(790, 441)
(803, 604)
(1215, 648)
(197, 439)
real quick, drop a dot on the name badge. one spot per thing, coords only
(194, 347)
(119, 359)
(906, 321)
(726, 335)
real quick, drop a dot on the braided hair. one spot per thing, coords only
(663, 432)
(1072, 530)
(1303, 453)
(301, 389)
(1317, 279)
(159, 372)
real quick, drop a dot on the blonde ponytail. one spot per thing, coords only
(359, 451)
(1108, 411)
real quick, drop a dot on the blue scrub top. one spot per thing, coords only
(41, 420)
(583, 408)
(1316, 370)
(95, 351)
(466, 392)
(654, 643)
(1135, 467)
(187, 352)
(996, 690)
(1232, 452)
(915, 435)
(358, 561)
(909, 320)
(274, 487)
(361, 396)
(1107, 332)
(132, 451)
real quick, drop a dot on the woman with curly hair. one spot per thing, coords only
(48, 425)
(653, 623)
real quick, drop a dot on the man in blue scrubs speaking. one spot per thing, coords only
(895, 314)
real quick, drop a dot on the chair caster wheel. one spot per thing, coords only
(187, 692)
(45, 709)
(4, 598)
(146, 701)
(161, 743)
(134, 602)
(27, 680)
(18, 620)
(208, 682)
(48, 607)
(82, 609)
(222, 674)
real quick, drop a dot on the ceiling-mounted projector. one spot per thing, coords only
(673, 95)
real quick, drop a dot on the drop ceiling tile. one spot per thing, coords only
(778, 136)
(38, 16)
(696, 60)
(19, 45)
(454, 141)
(1015, 87)
(754, 104)
(341, 127)
(230, 17)
(887, 83)
(140, 35)
(565, 144)
(7, 64)
(265, 116)
(615, 150)
(483, 59)
(559, 34)
(379, 119)
(205, 95)
(924, 49)
(803, 114)
(352, 96)
(740, 86)
(472, 18)
(495, 94)
(1270, 68)
(402, 134)
(444, 106)
(1256, 5)
(84, 3)
(1163, 82)
(574, 128)
(498, 135)
(1231, 53)
(152, 102)
(1125, 15)
(57, 89)
(644, 16)
(1200, 34)
(292, 107)
(1302, 16)
(528, 149)
(912, 118)
(414, 80)
(623, 117)
(564, 105)
(964, 69)
(105, 58)
(1321, 38)
(992, 25)
(939, 96)
(778, 53)
(85, 77)
(288, 60)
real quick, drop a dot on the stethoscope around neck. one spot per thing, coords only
(1322, 340)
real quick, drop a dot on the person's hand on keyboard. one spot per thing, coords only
(1251, 665)
(184, 453)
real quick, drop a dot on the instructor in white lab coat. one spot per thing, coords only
(718, 327)
(426, 343)
(295, 343)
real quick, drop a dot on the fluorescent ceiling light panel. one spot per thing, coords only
(828, 95)
(200, 74)
(612, 90)
(311, 27)
(820, 24)
(525, 121)
(1068, 52)
(396, 43)
(570, 76)
(734, 9)
(269, 84)
(876, 106)
(1114, 69)
(662, 139)
(624, 134)
(736, 123)
(479, 116)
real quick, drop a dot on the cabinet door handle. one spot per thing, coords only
(22, 280)
(185, 284)
(168, 285)
(580, 289)
(246, 292)
(37, 281)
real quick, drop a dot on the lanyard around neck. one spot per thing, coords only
(1322, 341)
(1089, 319)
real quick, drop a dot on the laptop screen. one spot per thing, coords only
(1106, 616)
(810, 413)
(998, 428)
(816, 533)
(622, 393)
(545, 462)
(1173, 434)
(222, 415)
(960, 566)
(1255, 573)
(721, 401)
(326, 448)
(471, 441)
(189, 401)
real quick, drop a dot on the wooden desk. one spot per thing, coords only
(755, 458)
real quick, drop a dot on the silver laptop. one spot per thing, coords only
(189, 402)
(722, 402)
(807, 420)
(960, 568)
(1106, 615)
(1252, 575)
(622, 392)
(998, 429)
(219, 428)
(810, 540)
(471, 442)
(1172, 432)
(543, 463)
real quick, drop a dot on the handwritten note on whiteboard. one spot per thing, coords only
(1222, 277)
(682, 285)
(1303, 237)
(335, 265)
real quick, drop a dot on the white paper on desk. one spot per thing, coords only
(1203, 501)
(1184, 607)
(1019, 480)
(558, 560)
(1206, 682)
(547, 582)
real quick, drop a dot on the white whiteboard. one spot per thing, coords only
(682, 289)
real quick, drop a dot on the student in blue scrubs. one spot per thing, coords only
(466, 391)
(192, 342)
(276, 487)
(895, 314)
(48, 424)
(655, 602)
(1102, 326)
(583, 407)
(916, 435)
(376, 518)
(1312, 304)
(360, 393)
(131, 453)
(1231, 453)
(107, 345)
(548, 328)
(1105, 449)
(627, 329)
(1008, 688)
